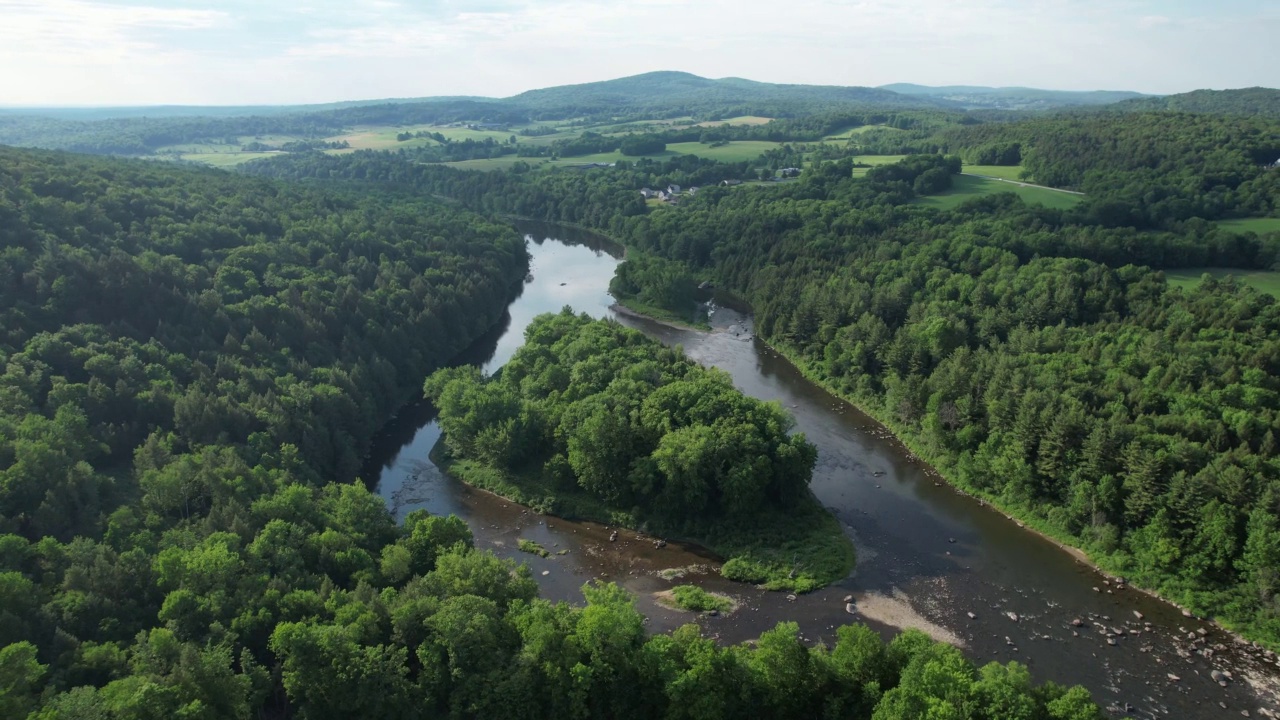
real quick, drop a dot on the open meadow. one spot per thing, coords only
(853, 132)
(1257, 225)
(1004, 172)
(969, 187)
(1262, 280)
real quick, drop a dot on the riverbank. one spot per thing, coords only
(629, 308)
(800, 551)
(1032, 524)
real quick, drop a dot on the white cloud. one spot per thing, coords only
(251, 51)
(72, 31)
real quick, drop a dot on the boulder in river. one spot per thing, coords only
(1137, 614)
(851, 608)
(971, 616)
(1012, 616)
(848, 598)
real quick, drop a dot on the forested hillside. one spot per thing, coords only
(1245, 101)
(1026, 352)
(1142, 170)
(194, 363)
(1013, 98)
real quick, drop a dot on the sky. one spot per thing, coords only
(256, 52)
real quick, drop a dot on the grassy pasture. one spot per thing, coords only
(226, 159)
(1189, 278)
(852, 132)
(740, 120)
(967, 187)
(874, 160)
(1007, 172)
(1257, 225)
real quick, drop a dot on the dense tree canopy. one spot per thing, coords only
(590, 409)
(192, 360)
(1025, 351)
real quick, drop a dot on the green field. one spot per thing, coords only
(736, 151)
(1265, 281)
(740, 120)
(226, 159)
(850, 133)
(1257, 225)
(874, 160)
(1008, 172)
(967, 187)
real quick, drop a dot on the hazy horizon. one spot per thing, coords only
(122, 53)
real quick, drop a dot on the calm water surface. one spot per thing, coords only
(944, 554)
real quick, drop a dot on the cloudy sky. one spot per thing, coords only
(226, 52)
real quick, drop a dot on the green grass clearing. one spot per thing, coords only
(967, 187)
(227, 159)
(1257, 225)
(852, 132)
(1190, 278)
(1007, 172)
(740, 120)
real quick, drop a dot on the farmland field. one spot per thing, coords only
(1265, 281)
(850, 133)
(1258, 225)
(225, 159)
(740, 120)
(1007, 172)
(967, 187)
(874, 160)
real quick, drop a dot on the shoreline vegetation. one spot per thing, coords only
(1027, 523)
(648, 440)
(1024, 522)
(691, 598)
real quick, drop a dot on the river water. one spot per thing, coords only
(928, 556)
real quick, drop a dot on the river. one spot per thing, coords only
(928, 556)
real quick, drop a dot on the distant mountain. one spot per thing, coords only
(1245, 101)
(1012, 98)
(680, 89)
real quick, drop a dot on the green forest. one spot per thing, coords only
(1037, 357)
(592, 420)
(194, 365)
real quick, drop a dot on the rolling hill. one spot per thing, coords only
(1244, 101)
(1012, 98)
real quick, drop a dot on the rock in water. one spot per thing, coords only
(1012, 616)
(971, 616)
(851, 608)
